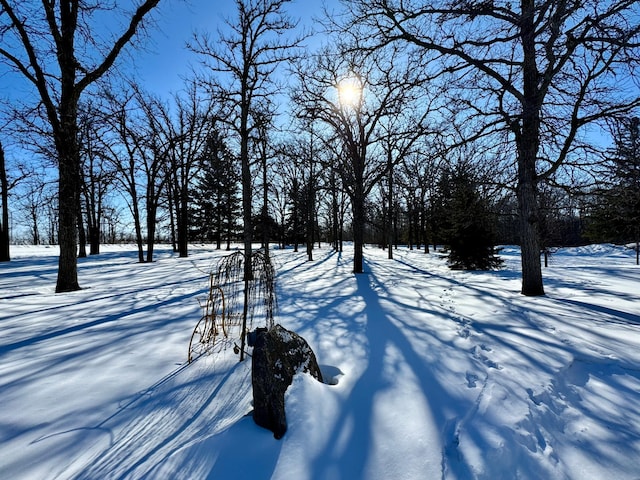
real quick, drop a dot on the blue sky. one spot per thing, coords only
(163, 57)
(166, 58)
(162, 60)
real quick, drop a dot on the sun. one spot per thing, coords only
(349, 92)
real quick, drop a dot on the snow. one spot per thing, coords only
(432, 373)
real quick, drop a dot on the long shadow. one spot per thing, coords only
(164, 427)
(539, 347)
(301, 262)
(611, 314)
(381, 334)
(10, 347)
(167, 440)
(254, 451)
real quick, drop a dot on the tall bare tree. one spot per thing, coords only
(261, 145)
(97, 173)
(539, 71)
(243, 60)
(5, 254)
(355, 96)
(186, 133)
(56, 47)
(139, 152)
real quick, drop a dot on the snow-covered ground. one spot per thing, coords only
(437, 374)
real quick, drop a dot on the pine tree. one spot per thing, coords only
(616, 215)
(215, 198)
(469, 230)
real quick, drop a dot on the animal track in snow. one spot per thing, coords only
(472, 380)
(477, 354)
(464, 332)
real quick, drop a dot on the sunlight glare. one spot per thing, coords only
(349, 92)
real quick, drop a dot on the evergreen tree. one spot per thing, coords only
(469, 224)
(615, 217)
(215, 198)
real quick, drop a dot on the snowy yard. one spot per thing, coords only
(438, 374)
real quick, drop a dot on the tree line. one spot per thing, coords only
(461, 123)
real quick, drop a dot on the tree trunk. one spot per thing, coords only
(310, 207)
(5, 255)
(246, 209)
(295, 193)
(389, 222)
(529, 243)
(137, 226)
(358, 230)
(94, 213)
(528, 143)
(334, 210)
(246, 206)
(266, 225)
(183, 223)
(151, 231)
(94, 239)
(67, 231)
(410, 221)
(82, 233)
(66, 140)
(69, 166)
(229, 228)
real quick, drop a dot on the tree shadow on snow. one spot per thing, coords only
(350, 449)
(193, 424)
(458, 375)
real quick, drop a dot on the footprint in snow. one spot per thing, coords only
(472, 380)
(477, 354)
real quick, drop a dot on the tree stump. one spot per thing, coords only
(278, 354)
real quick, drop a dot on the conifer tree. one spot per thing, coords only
(469, 232)
(216, 195)
(616, 215)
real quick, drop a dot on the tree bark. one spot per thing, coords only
(389, 220)
(528, 141)
(151, 230)
(310, 200)
(246, 207)
(183, 222)
(358, 229)
(68, 185)
(5, 254)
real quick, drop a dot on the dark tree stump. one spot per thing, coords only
(278, 354)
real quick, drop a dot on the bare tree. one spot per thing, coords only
(356, 96)
(97, 173)
(186, 134)
(281, 199)
(31, 36)
(261, 145)
(244, 59)
(139, 155)
(34, 204)
(288, 169)
(126, 154)
(539, 71)
(5, 254)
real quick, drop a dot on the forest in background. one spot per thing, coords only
(398, 126)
